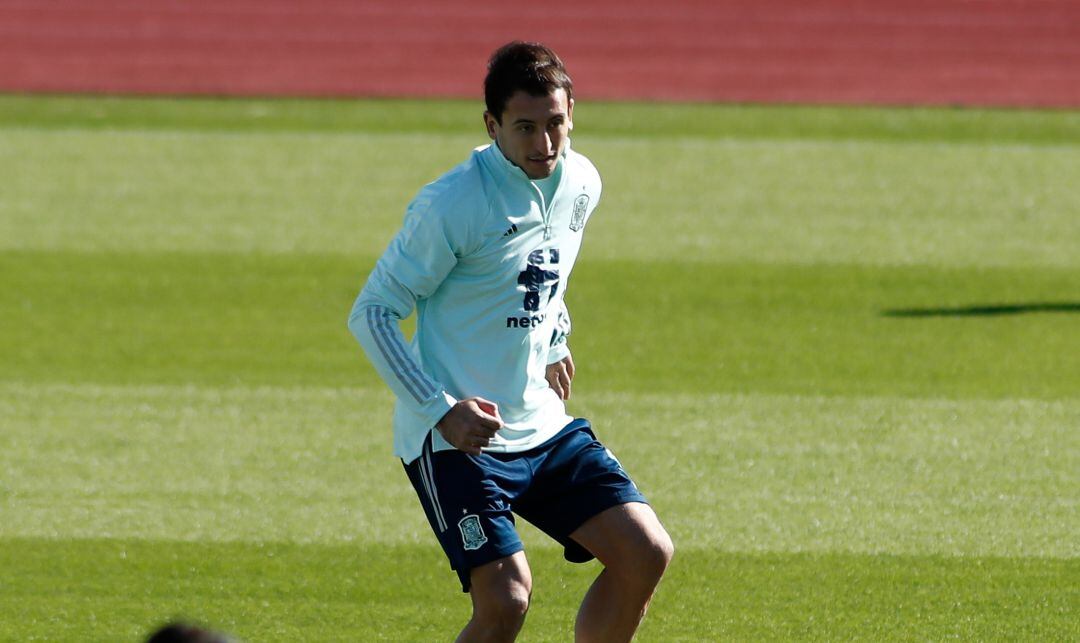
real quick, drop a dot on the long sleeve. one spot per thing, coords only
(412, 268)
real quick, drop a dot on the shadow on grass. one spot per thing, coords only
(985, 311)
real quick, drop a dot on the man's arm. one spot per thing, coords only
(560, 368)
(375, 326)
(412, 268)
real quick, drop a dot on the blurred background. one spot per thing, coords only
(967, 52)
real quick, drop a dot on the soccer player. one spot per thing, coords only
(484, 256)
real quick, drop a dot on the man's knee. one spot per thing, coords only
(631, 543)
(648, 560)
(656, 554)
(504, 609)
(501, 593)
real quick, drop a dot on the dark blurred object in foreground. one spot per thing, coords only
(186, 633)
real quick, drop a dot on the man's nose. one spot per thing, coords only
(544, 143)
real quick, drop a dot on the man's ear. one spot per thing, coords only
(570, 114)
(490, 124)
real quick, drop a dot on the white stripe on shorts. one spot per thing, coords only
(427, 475)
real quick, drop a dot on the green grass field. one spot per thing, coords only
(839, 348)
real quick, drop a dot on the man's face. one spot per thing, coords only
(533, 131)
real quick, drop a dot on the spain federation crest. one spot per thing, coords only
(581, 206)
(472, 534)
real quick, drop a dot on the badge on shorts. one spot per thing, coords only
(577, 219)
(472, 534)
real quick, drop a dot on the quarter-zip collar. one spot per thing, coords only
(503, 165)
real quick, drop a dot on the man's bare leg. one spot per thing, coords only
(635, 550)
(500, 595)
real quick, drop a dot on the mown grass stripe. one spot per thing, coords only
(808, 202)
(108, 590)
(219, 318)
(637, 120)
(744, 472)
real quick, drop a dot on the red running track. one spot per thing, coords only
(969, 52)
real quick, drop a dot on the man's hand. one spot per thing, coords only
(470, 424)
(559, 376)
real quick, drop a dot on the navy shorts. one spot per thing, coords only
(557, 487)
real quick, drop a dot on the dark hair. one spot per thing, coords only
(527, 66)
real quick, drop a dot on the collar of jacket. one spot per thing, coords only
(499, 163)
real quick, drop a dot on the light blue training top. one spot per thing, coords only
(548, 185)
(484, 258)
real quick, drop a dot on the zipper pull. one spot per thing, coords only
(547, 231)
